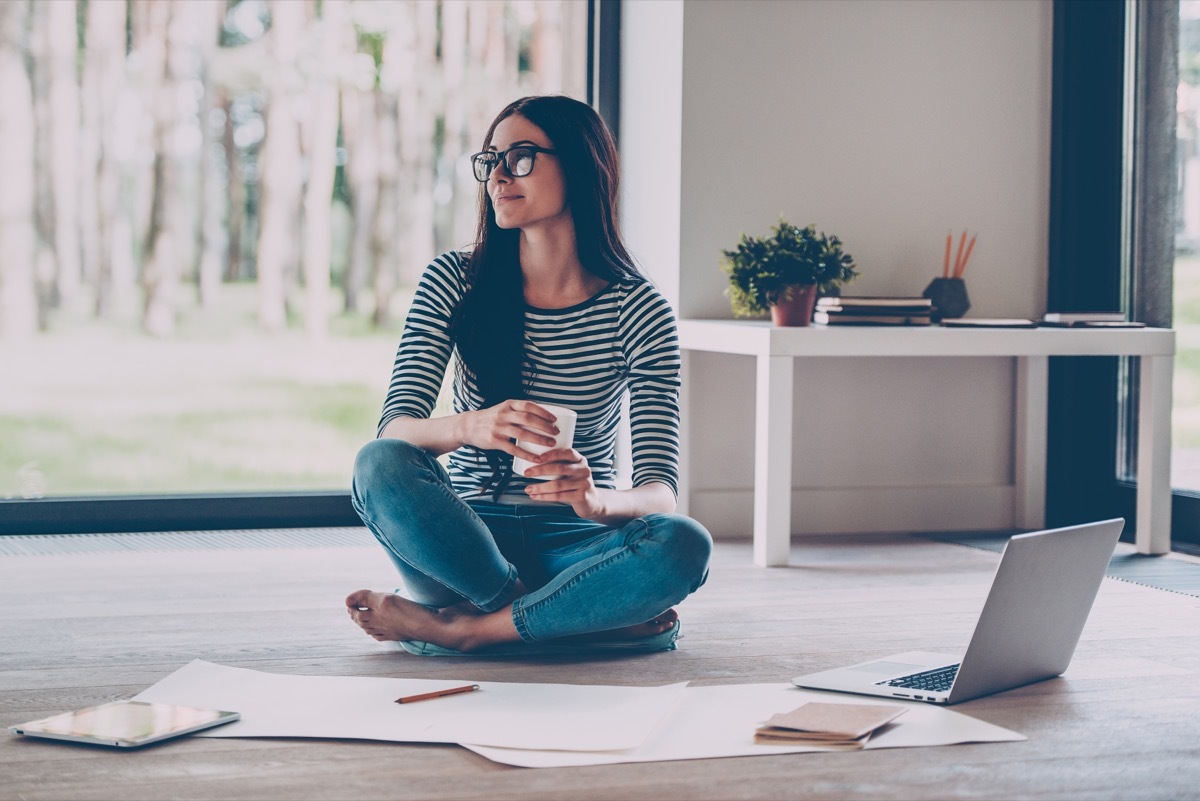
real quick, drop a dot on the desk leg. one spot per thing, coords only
(773, 461)
(1032, 388)
(1154, 455)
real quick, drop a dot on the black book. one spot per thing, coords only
(865, 304)
(875, 302)
(822, 317)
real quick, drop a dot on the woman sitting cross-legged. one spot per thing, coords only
(547, 309)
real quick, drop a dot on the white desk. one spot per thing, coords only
(775, 350)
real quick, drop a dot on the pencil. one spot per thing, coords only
(958, 256)
(408, 699)
(962, 268)
(946, 262)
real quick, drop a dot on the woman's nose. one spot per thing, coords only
(500, 174)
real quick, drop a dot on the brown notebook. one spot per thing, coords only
(828, 725)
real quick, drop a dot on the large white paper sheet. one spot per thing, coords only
(720, 722)
(525, 716)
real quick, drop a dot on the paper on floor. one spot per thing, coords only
(527, 716)
(537, 725)
(720, 722)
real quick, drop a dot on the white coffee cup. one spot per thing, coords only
(565, 420)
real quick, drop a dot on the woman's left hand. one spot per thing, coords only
(573, 485)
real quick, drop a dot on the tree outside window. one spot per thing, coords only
(213, 216)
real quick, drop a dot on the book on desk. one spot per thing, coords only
(873, 310)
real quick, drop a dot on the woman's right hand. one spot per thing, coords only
(498, 427)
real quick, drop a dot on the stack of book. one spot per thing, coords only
(873, 310)
(1088, 320)
(828, 725)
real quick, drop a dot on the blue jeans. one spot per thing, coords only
(583, 576)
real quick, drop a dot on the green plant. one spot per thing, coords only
(761, 271)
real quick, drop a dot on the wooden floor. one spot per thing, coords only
(76, 630)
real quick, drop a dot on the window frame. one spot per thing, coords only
(1111, 242)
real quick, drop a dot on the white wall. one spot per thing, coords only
(652, 101)
(889, 124)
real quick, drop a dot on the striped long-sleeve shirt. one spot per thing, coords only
(582, 357)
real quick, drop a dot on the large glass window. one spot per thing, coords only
(1185, 462)
(213, 215)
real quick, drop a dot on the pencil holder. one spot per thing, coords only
(949, 296)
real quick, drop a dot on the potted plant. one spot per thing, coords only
(784, 273)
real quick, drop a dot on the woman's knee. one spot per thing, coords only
(689, 544)
(382, 460)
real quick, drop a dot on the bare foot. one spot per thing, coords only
(650, 628)
(388, 618)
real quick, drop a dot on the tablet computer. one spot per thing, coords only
(125, 724)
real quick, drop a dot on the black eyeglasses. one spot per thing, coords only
(518, 161)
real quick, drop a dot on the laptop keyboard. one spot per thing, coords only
(936, 680)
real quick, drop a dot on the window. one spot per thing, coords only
(1185, 423)
(1124, 145)
(215, 212)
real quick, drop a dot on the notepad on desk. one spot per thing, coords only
(1096, 324)
(1113, 319)
(1070, 318)
(989, 322)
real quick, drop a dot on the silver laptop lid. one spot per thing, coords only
(1039, 602)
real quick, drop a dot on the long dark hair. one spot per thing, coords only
(489, 325)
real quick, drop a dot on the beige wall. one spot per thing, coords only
(889, 124)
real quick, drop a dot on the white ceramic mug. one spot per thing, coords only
(565, 420)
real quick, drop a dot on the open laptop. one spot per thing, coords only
(1040, 599)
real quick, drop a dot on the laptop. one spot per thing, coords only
(1035, 611)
